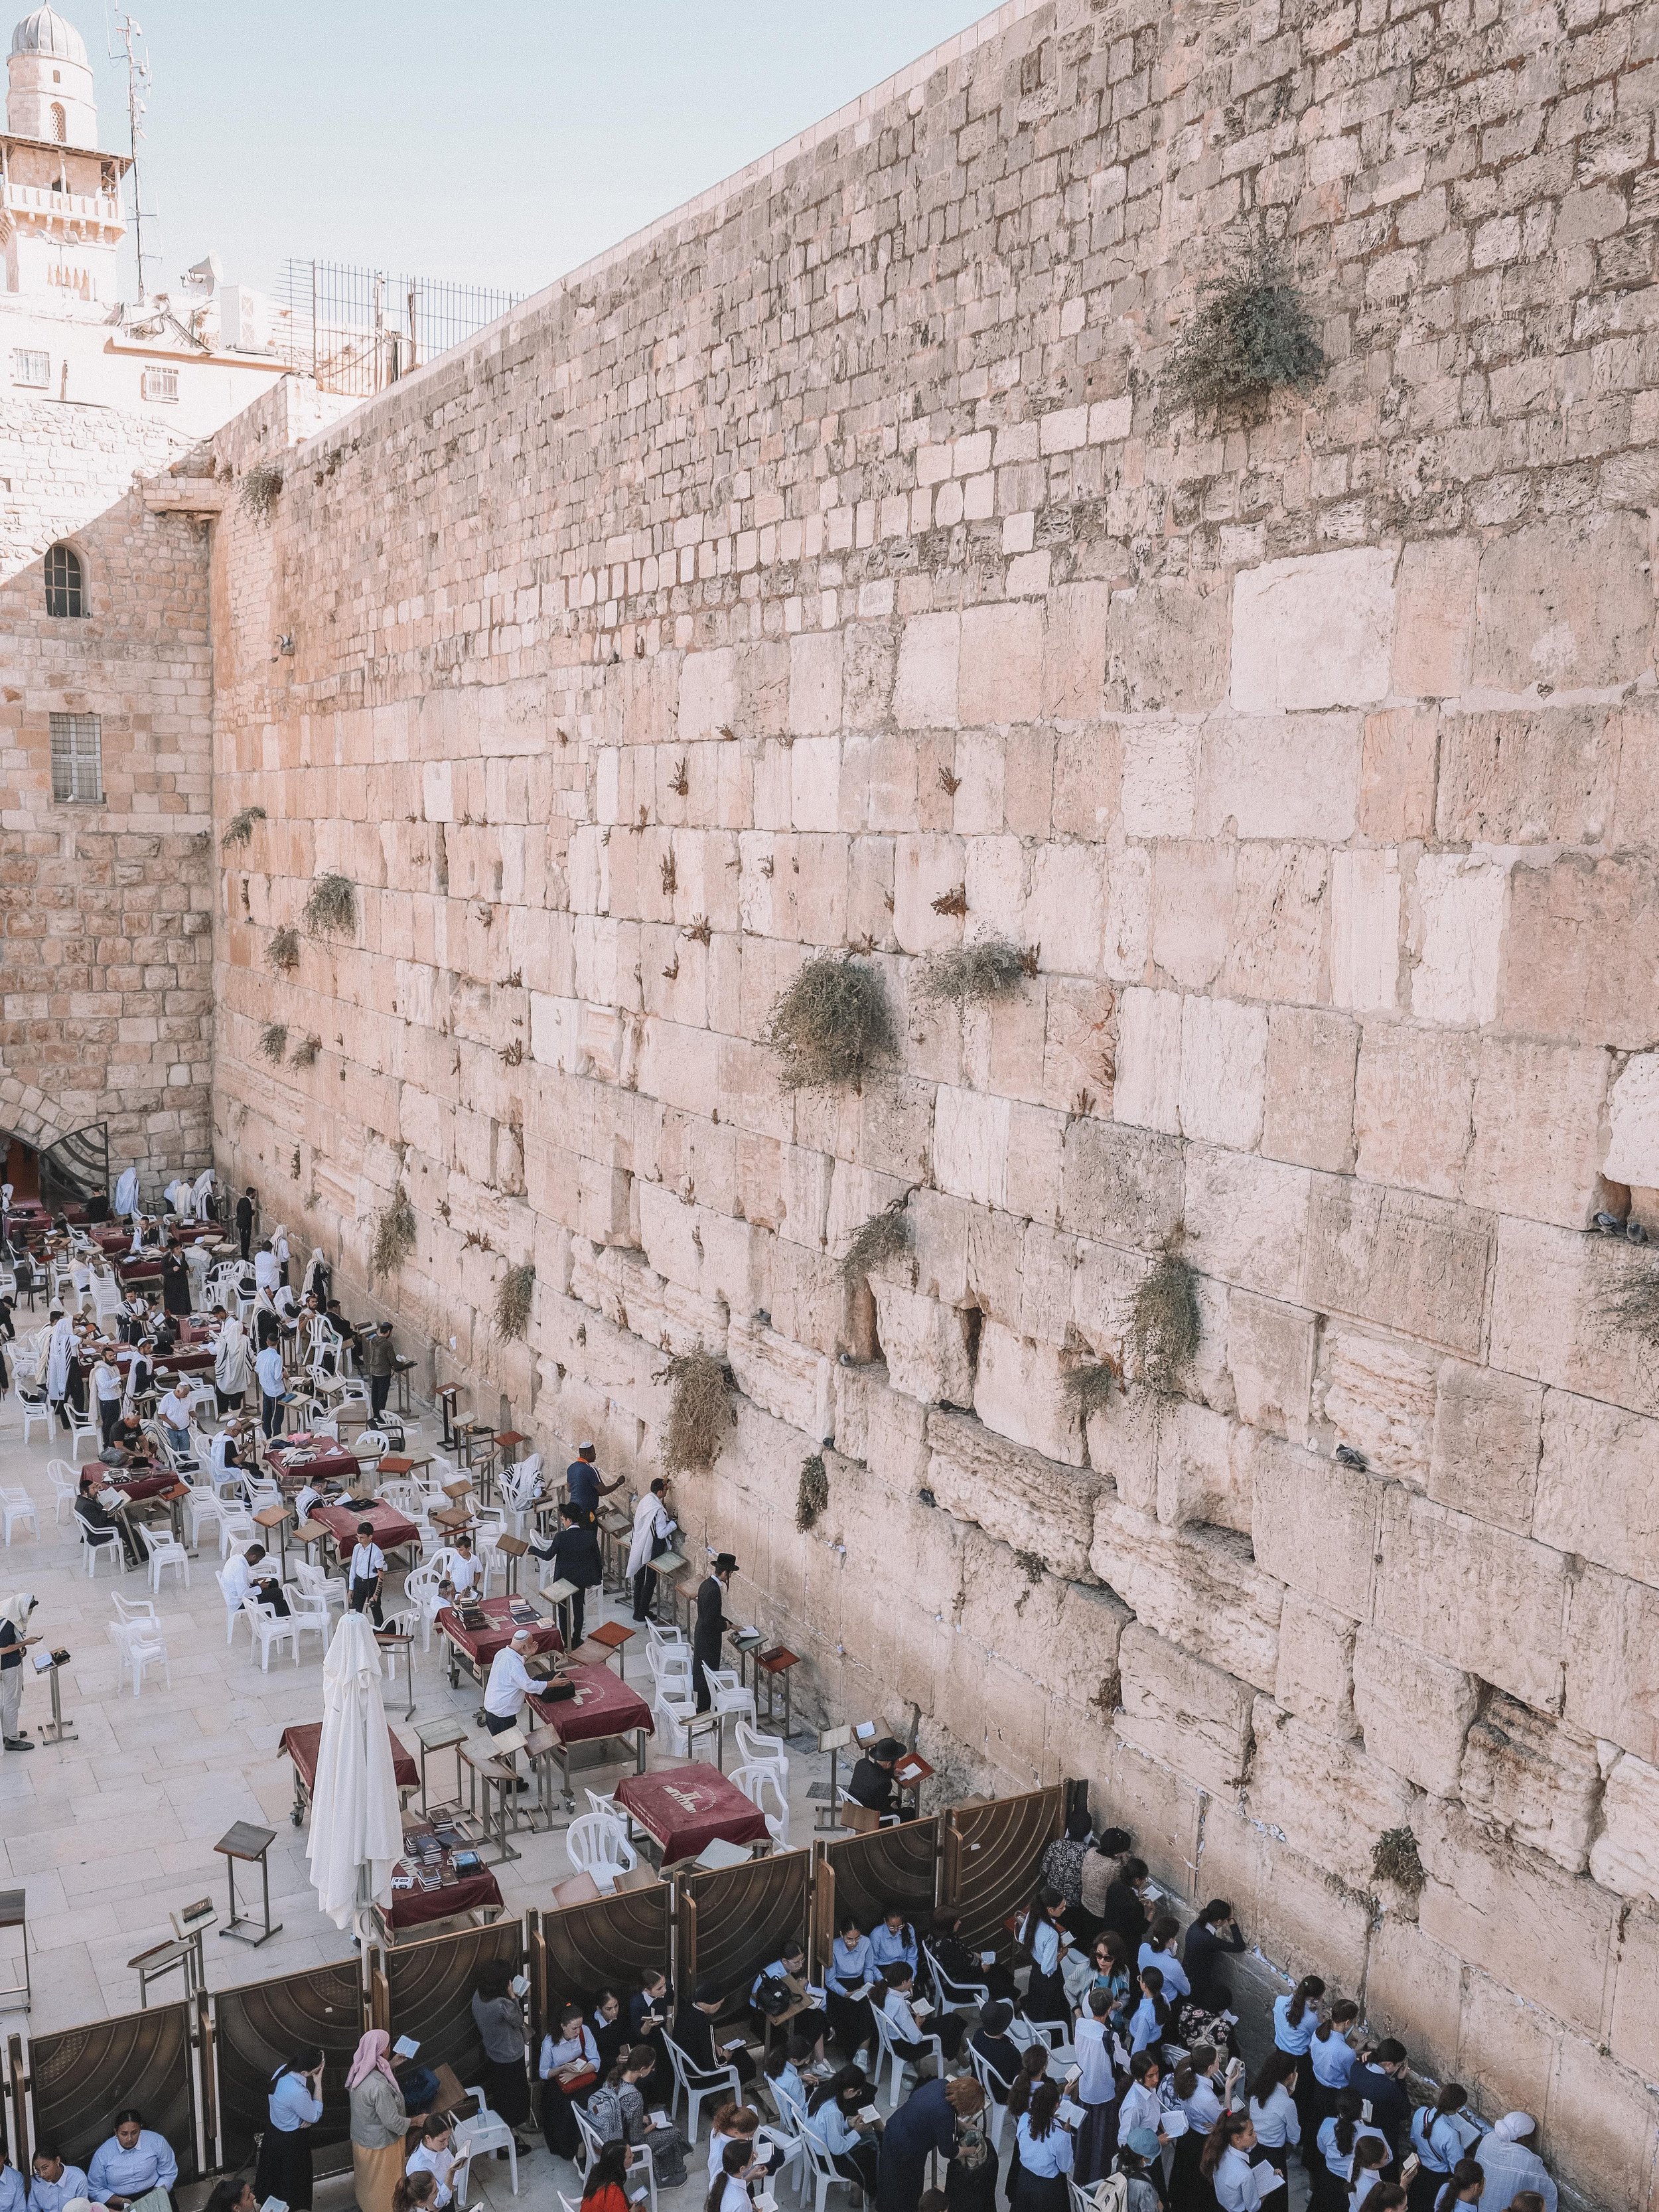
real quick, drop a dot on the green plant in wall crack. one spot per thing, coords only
(1395, 1858)
(238, 830)
(513, 1296)
(282, 953)
(1250, 333)
(395, 1228)
(700, 1411)
(261, 487)
(273, 1042)
(304, 1054)
(831, 1025)
(331, 909)
(1165, 1324)
(812, 1497)
(1091, 1385)
(883, 1236)
(1627, 1298)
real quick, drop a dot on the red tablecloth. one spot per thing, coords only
(602, 1705)
(481, 1645)
(183, 1363)
(136, 1486)
(391, 1526)
(413, 1908)
(685, 1808)
(330, 1462)
(302, 1743)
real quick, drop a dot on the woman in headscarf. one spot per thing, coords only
(60, 1361)
(230, 1363)
(379, 2124)
(13, 1619)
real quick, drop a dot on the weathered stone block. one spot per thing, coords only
(1459, 905)
(970, 1144)
(1175, 1708)
(1160, 779)
(1123, 1185)
(1223, 1064)
(1366, 904)
(1537, 778)
(1632, 1153)
(1313, 631)
(925, 1345)
(815, 687)
(1262, 775)
(1166, 648)
(1198, 1586)
(1315, 1679)
(1581, 949)
(1247, 1218)
(1416, 1711)
(1378, 1396)
(1192, 920)
(1536, 1780)
(1074, 663)
(1328, 1798)
(1270, 1357)
(1565, 602)
(1148, 1088)
(1434, 627)
(1610, 1519)
(1414, 1988)
(1309, 1113)
(1019, 1391)
(1281, 924)
(1316, 1525)
(1397, 774)
(925, 692)
(1538, 1116)
(1064, 1635)
(1410, 1263)
(1028, 1501)
(1457, 1586)
(1413, 1106)
(1000, 678)
(1487, 1435)
(1633, 2036)
(1613, 1661)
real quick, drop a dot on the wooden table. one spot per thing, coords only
(508, 1441)
(475, 1648)
(276, 1518)
(252, 1845)
(779, 1661)
(611, 1636)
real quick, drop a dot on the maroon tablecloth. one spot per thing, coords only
(413, 1908)
(602, 1705)
(391, 1526)
(481, 1645)
(136, 1486)
(302, 1743)
(331, 1462)
(685, 1808)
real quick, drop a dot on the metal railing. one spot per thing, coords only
(357, 331)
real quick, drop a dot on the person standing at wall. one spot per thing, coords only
(498, 2013)
(711, 1625)
(582, 1486)
(268, 1366)
(295, 2105)
(247, 1212)
(653, 1531)
(380, 1364)
(14, 1643)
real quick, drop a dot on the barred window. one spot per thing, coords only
(66, 582)
(160, 383)
(77, 759)
(28, 367)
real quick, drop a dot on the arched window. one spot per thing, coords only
(59, 123)
(66, 582)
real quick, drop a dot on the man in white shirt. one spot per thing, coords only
(508, 1685)
(267, 1275)
(269, 1368)
(109, 1389)
(367, 1567)
(465, 1572)
(249, 1574)
(174, 1414)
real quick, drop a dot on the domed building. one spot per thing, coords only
(62, 211)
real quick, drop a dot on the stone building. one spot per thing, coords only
(825, 569)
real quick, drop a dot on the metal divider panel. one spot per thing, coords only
(890, 1866)
(81, 2076)
(745, 1915)
(431, 1986)
(611, 1943)
(999, 1858)
(263, 2023)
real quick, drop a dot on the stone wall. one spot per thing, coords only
(819, 571)
(106, 1007)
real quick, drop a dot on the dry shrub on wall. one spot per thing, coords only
(1627, 1299)
(812, 1497)
(282, 952)
(830, 1025)
(305, 1053)
(969, 974)
(273, 1042)
(1090, 1386)
(1165, 1324)
(1249, 334)
(883, 1236)
(1394, 1858)
(331, 909)
(394, 1236)
(238, 830)
(261, 487)
(513, 1294)
(700, 1410)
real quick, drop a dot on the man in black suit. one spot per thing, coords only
(873, 1785)
(711, 1626)
(246, 1207)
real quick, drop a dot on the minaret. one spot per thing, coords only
(61, 222)
(49, 83)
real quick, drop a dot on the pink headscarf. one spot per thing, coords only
(369, 2057)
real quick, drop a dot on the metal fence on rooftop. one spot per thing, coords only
(356, 331)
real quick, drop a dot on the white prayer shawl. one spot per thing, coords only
(58, 1354)
(126, 1194)
(177, 1193)
(202, 1193)
(230, 1358)
(651, 1520)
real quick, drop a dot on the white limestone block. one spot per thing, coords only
(1460, 906)
(1223, 1072)
(1314, 631)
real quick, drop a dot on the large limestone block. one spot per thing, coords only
(1192, 897)
(925, 868)
(1366, 904)
(1160, 779)
(882, 1430)
(1602, 2128)
(1548, 1320)
(1147, 1089)
(708, 693)
(1295, 1910)
(786, 1380)
(1632, 1153)
(1377, 1393)
(1633, 2035)
(925, 692)
(1128, 914)
(1281, 924)
(1309, 1113)
(1581, 949)
(1598, 1484)
(1270, 1357)
(1457, 1587)
(1163, 1811)
(1315, 1679)
(815, 682)
(1166, 648)
(1507, 2049)
(1459, 908)
(1075, 662)
(1202, 1476)
(1313, 631)
(1316, 1525)
(1613, 1661)
(1000, 675)
(1223, 1067)
(1397, 777)
(1065, 911)
(1019, 1391)
(1487, 1438)
(1175, 1708)
(1122, 1185)
(1410, 1263)
(925, 1345)
(1414, 1991)
(1565, 602)
(668, 1232)
(1414, 1106)
(1329, 1799)
(1434, 627)
(1063, 1635)
(1545, 1934)
(1539, 778)
(1538, 1121)
(1199, 1587)
(1279, 775)
(970, 1144)
(1535, 1779)
(1028, 1501)
(1246, 1220)
(1415, 1711)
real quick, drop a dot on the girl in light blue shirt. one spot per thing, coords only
(1296, 2016)
(1045, 2153)
(295, 2105)
(1150, 2019)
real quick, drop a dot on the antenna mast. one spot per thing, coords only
(137, 91)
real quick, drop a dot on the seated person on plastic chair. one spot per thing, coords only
(705, 2050)
(898, 2008)
(102, 1521)
(466, 1575)
(250, 1574)
(783, 1985)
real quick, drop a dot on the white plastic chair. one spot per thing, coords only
(313, 1583)
(129, 1609)
(81, 1431)
(728, 1694)
(639, 2157)
(597, 1801)
(371, 1447)
(420, 1585)
(487, 2131)
(308, 1610)
(996, 2093)
(32, 1406)
(889, 2050)
(757, 1783)
(100, 1543)
(756, 1750)
(17, 1506)
(670, 1669)
(673, 1714)
(947, 1994)
(722, 2082)
(141, 1646)
(233, 1604)
(202, 1505)
(65, 1485)
(163, 1552)
(822, 2174)
(270, 1628)
(598, 1845)
(236, 1530)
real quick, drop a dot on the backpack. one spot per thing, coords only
(1111, 2195)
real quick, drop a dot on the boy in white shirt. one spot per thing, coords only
(367, 1568)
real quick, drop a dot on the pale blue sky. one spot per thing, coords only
(499, 142)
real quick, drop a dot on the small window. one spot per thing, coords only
(160, 383)
(66, 582)
(59, 123)
(77, 759)
(28, 367)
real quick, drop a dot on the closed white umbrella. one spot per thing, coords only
(356, 1824)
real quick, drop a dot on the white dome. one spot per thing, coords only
(46, 31)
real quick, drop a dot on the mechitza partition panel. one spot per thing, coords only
(82, 2076)
(261, 2024)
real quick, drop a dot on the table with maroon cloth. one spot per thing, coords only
(330, 1460)
(392, 1528)
(684, 1809)
(603, 1707)
(302, 1743)
(474, 1648)
(138, 1487)
(416, 1908)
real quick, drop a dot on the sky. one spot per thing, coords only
(498, 142)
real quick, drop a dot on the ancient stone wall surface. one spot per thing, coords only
(817, 572)
(106, 990)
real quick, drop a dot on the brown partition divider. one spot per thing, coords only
(258, 2025)
(80, 2078)
(890, 1866)
(736, 1920)
(993, 1860)
(430, 1987)
(611, 1943)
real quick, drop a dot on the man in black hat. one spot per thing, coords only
(711, 1626)
(872, 1783)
